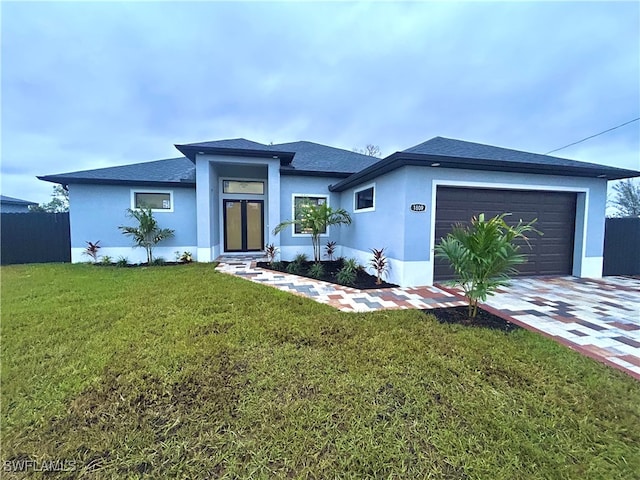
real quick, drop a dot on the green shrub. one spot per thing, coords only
(349, 272)
(297, 266)
(278, 266)
(106, 260)
(122, 262)
(316, 270)
(186, 257)
(158, 261)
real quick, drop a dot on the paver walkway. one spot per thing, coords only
(598, 318)
(343, 298)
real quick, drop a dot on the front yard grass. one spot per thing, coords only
(184, 372)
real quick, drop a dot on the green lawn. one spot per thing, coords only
(183, 372)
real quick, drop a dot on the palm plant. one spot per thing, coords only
(483, 255)
(147, 233)
(315, 219)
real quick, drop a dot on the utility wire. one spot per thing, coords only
(597, 134)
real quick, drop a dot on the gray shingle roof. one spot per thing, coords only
(233, 143)
(462, 149)
(440, 152)
(308, 157)
(314, 157)
(15, 201)
(178, 171)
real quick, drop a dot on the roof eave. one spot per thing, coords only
(400, 159)
(314, 173)
(104, 181)
(190, 151)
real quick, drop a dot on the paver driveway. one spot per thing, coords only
(599, 318)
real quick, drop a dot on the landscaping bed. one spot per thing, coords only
(363, 280)
(460, 315)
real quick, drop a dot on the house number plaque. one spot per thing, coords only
(418, 207)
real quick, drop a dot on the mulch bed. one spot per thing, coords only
(364, 281)
(133, 265)
(483, 319)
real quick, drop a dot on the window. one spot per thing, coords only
(156, 201)
(364, 199)
(299, 202)
(235, 186)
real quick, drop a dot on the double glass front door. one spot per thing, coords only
(243, 225)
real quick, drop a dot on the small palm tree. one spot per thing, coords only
(483, 255)
(315, 219)
(147, 233)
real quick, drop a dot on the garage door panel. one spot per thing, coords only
(551, 254)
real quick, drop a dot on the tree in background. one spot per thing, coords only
(370, 150)
(59, 202)
(627, 199)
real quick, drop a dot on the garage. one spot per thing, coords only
(550, 254)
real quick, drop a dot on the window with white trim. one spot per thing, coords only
(157, 201)
(364, 199)
(299, 204)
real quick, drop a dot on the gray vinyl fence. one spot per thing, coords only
(622, 246)
(34, 238)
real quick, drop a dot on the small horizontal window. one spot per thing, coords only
(152, 200)
(233, 186)
(364, 199)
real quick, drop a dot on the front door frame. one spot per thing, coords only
(243, 213)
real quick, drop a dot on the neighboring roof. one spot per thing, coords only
(440, 152)
(179, 172)
(15, 201)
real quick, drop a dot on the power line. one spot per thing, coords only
(584, 139)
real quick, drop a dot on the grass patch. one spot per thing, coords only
(186, 372)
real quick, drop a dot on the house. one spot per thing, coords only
(14, 205)
(226, 197)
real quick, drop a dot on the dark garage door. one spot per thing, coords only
(551, 254)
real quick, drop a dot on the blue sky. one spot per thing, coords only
(89, 85)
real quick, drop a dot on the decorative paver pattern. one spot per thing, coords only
(598, 318)
(343, 298)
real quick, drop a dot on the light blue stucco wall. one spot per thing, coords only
(211, 170)
(383, 227)
(408, 236)
(96, 211)
(292, 184)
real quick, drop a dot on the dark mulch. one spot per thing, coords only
(484, 319)
(133, 265)
(364, 281)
